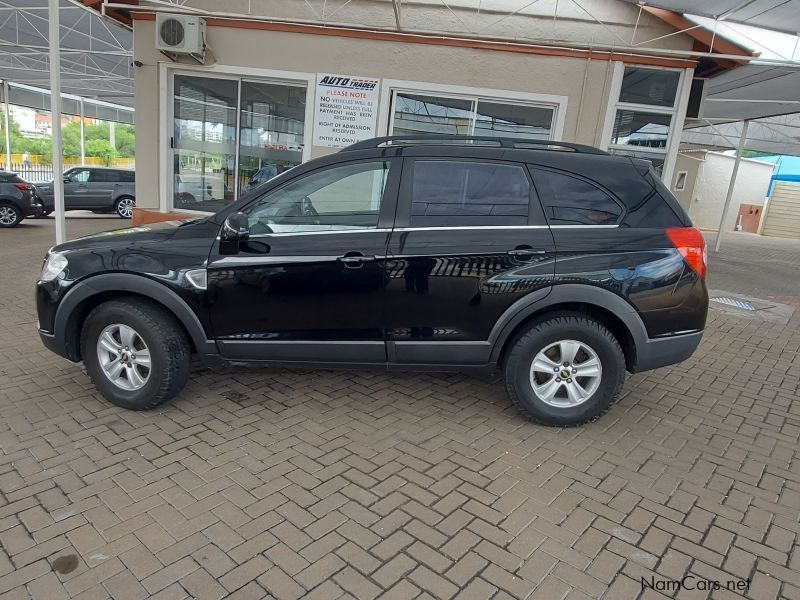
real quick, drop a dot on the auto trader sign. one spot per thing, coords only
(345, 111)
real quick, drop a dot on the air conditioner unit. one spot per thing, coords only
(181, 35)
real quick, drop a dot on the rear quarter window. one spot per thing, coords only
(658, 208)
(570, 200)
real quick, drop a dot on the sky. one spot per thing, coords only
(771, 44)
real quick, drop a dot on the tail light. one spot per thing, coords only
(23, 187)
(690, 243)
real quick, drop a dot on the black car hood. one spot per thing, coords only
(131, 236)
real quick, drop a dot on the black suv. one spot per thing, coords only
(560, 264)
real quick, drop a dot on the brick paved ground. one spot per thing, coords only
(259, 483)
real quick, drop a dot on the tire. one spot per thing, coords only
(550, 341)
(10, 215)
(159, 333)
(124, 206)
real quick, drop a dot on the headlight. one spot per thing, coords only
(53, 266)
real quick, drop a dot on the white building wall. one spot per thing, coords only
(711, 187)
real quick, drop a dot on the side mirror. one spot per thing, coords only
(67, 179)
(236, 228)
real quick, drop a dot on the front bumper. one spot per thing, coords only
(664, 351)
(51, 343)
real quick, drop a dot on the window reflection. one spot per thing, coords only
(417, 115)
(634, 128)
(271, 132)
(509, 120)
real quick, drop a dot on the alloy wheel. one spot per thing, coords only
(124, 357)
(125, 207)
(566, 373)
(8, 216)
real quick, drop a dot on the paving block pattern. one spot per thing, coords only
(337, 484)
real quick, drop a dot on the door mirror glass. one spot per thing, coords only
(236, 228)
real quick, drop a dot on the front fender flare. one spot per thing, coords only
(135, 284)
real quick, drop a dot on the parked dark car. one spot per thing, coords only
(99, 189)
(18, 200)
(559, 264)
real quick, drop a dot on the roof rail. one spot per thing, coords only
(449, 140)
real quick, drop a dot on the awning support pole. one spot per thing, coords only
(731, 184)
(8, 126)
(54, 34)
(83, 150)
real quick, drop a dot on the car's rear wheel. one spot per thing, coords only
(10, 215)
(124, 206)
(135, 352)
(564, 370)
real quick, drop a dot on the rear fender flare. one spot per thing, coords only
(560, 294)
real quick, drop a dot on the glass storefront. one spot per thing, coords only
(231, 135)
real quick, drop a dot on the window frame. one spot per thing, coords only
(536, 217)
(623, 213)
(391, 86)
(676, 112)
(386, 214)
(678, 175)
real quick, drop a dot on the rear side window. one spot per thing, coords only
(453, 193)
(568, 200)
(102, 175)
(125, 176)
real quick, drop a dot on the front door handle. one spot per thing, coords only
(525, 253)
(354, 260)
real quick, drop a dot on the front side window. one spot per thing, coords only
(339, 198)
(449, 193)
(79, 175)
(568, 200)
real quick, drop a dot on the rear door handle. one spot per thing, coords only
(354, 260)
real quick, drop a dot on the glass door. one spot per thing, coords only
(231, 135)
(271, 132)
(204, 142)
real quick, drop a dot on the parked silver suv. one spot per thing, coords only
(99, 189)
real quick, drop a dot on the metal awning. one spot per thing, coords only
(96, 52)
(753, 91)
(777, 15)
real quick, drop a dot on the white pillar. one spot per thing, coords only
(112, 137)
(83, 150)
(731, 184)
(8, 126)
(55, 115)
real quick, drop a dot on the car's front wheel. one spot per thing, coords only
(10, 215)
(124, 207)
(135, 352)
(565, 370)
